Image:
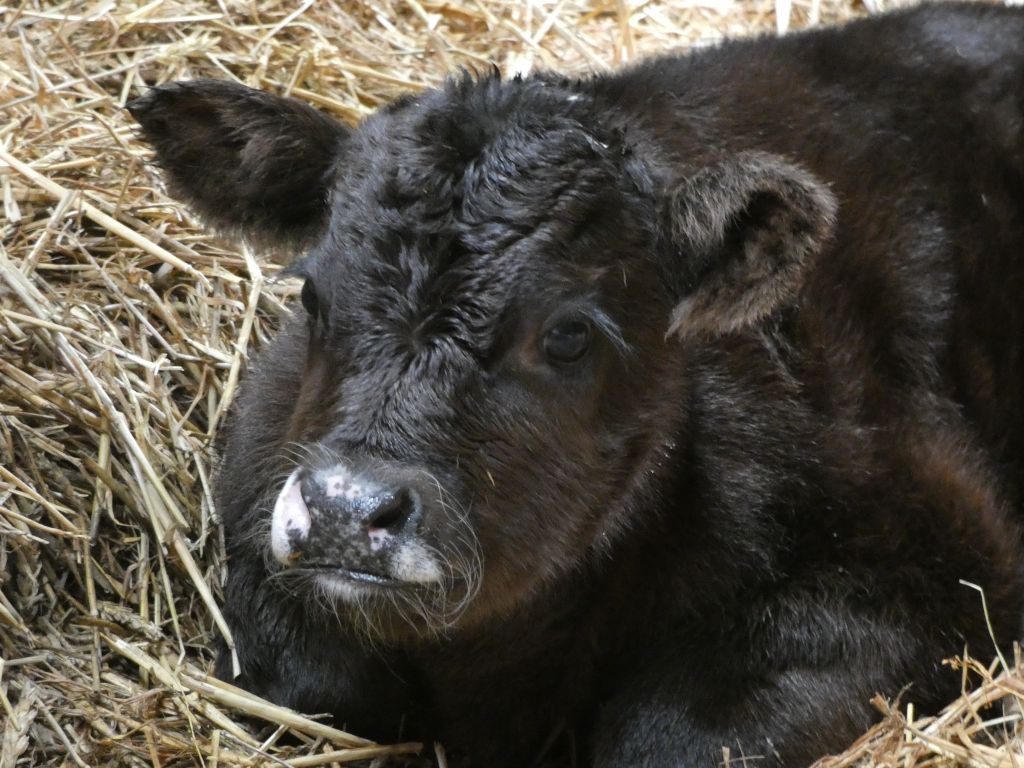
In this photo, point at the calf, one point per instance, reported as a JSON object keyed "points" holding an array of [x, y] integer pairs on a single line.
{"points": [[630, 418]]}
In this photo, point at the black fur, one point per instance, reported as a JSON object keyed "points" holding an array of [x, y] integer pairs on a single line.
{"points": [[797, 423]]}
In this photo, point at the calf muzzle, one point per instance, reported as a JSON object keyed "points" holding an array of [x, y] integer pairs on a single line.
{"points": [[359, 526]]}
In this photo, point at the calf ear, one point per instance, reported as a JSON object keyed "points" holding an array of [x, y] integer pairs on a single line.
{"points": [[742, 233], [255, 165]]}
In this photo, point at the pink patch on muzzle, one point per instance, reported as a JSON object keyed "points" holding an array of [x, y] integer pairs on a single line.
{"points": [[290, 520]]}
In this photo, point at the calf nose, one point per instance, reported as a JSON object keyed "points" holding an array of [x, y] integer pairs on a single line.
{"points": [[320, 513], [365, 504]]}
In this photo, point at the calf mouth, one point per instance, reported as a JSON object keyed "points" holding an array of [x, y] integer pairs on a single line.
{"points": [[355, 576]]}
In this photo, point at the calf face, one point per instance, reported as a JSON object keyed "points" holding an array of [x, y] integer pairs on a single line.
{"points": [[487, 391]]}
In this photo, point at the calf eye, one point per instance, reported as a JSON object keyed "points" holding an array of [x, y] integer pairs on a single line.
{"points": [[567, 342], [309, 299]]}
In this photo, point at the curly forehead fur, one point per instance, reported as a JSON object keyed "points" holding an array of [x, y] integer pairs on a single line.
{"points": [[438, 195], [486, 155]]}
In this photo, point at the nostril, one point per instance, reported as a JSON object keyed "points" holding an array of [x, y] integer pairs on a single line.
{"points": [[392, 513]]}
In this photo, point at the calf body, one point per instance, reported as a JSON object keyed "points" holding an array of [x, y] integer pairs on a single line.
{"points": [[634, 417]]}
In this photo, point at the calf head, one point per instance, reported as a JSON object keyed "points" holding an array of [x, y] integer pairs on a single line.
{"points": [[497, 280]]}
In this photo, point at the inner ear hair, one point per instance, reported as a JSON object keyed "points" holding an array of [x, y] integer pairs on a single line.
{"points": [[742, 233]]}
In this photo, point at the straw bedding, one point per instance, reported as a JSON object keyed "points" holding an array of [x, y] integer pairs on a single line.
{"points": [[125, 328]]}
